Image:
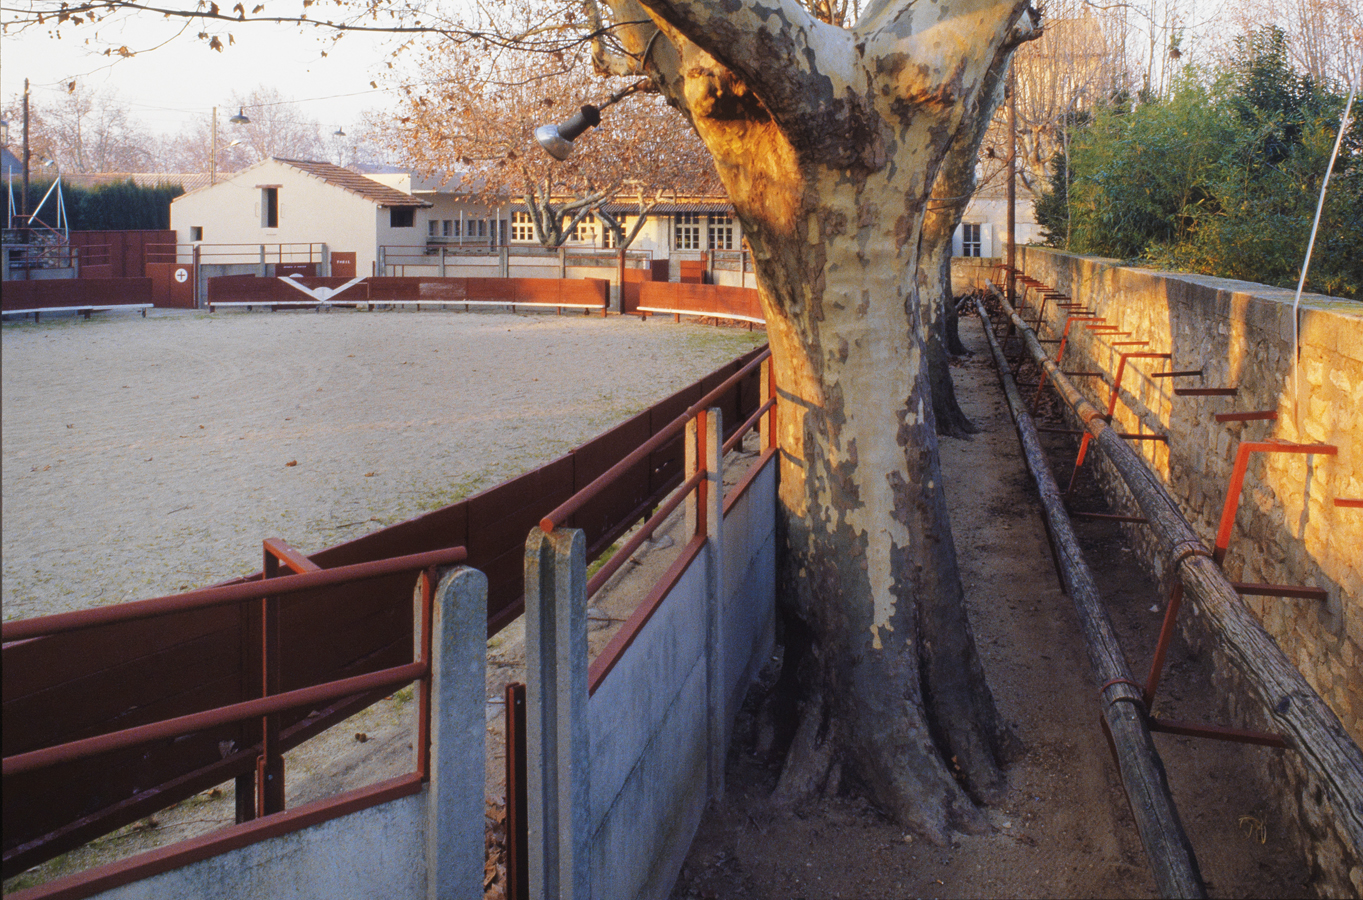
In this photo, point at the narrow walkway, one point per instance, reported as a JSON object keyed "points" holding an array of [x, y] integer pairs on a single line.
{"points": [[1063, 830]]}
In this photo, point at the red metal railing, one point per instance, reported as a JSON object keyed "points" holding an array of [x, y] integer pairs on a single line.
{"points": [[698, 483], [113, 677], [260, 790]]}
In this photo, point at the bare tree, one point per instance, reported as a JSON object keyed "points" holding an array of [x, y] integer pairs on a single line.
{"points": [[476, 111], [1325, 37], [89, 131]]}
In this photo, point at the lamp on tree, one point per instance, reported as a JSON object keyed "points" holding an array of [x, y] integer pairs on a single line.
{"points": [[557, 140], [240, 117]]}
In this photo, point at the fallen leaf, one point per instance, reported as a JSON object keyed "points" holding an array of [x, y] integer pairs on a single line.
{"points": [[290, 463], [361, 736]]}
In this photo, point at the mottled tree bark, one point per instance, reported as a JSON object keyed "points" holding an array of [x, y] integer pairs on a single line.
{"points": [[828, 141], [951, 195]]}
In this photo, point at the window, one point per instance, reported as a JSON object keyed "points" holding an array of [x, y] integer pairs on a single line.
{"points": [[585, 230], [970, 239], [450, 228], [687, 234], [402, 217], [608, 234], [196, 232], [721, 233], [269, 207], [521, 227], [433, 228]]}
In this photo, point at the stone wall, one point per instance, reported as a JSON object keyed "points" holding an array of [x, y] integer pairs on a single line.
{"points": [[1289, 529]]}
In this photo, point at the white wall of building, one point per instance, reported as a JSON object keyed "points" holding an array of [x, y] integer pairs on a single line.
{"points": [[991, 214], [310, 211]]}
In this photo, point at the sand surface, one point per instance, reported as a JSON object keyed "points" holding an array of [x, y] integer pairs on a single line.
{"points": [[147, 456]]}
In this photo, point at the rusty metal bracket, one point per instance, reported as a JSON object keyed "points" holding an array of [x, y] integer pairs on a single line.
{"points": [[1237, 482], [1263, 415]]}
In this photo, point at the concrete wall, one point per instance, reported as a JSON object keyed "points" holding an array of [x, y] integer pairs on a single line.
{"points": [[376, 852], [648, 737], [1288, 529]]}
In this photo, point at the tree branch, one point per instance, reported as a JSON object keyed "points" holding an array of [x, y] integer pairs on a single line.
{"points": [[771, 47]]}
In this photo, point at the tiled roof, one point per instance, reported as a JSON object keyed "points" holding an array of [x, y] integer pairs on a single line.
{"points": [[713, 207], [368, 188]]}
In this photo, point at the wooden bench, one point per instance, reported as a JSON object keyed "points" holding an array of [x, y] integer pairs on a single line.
{"points": [[445, 304], [274, 305], [82, 309]]}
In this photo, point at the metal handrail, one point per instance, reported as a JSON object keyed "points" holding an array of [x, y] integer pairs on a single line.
{"points": [[62, 623], [603, 481], [222, 715]]}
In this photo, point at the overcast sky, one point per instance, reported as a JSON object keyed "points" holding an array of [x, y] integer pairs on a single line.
{"points": [[167, 88]]}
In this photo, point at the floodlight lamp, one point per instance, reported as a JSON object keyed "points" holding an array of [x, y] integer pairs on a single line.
{"points": [[557, 140]]}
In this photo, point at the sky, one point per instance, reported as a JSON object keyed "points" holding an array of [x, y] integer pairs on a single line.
{"points": [[169, 87]]}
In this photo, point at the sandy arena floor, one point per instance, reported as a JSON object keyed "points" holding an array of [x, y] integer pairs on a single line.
{"points": [[147, 456]]}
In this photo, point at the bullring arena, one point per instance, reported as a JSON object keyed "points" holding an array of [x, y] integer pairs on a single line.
{"points": [[148, 456]]}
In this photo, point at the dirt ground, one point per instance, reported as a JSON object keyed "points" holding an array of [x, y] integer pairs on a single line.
{"points": [[1064, 829]]}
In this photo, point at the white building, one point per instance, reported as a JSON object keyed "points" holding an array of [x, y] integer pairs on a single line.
{"points": [[396, 222], [984, 224], [298, 202]]}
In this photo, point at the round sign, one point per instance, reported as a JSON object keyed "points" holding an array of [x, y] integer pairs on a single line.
{"points": [[182, 275]]}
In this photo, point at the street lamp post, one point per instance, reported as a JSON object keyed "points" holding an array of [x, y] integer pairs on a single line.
{"points": [[238, 119]]}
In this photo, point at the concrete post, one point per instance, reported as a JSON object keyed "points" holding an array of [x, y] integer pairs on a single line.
{"points": [[381, 263], [705, 515], [504, 260], [325, 269], [442, 262], [200, 280], [717, 713], [556, 714], [264, 266], [455, 803]]}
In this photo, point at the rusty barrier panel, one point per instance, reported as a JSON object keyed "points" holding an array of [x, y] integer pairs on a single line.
{"points": [[122, 254], [74, 293], [119, 676], [592, 292], [630, 291], [702, 300], [692, 272], [265, 291]]}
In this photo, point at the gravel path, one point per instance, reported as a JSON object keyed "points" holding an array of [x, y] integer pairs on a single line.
{"points": [[147, 456]]}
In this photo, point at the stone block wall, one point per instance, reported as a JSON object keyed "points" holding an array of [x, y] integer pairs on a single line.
{"points": [[1288, 529]]}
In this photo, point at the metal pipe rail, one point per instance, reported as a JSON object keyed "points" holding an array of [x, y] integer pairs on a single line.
{"points": [[1290, 703], [62, 623], [223, 715], [582, 497], [1172, 860]]}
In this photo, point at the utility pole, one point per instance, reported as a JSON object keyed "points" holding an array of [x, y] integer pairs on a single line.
{"points": [[28, 155], [23, 203], [1012, 181], [213, 152]]}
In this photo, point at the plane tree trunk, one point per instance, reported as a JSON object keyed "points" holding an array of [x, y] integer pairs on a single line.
{"points": [[828, 141], [956, 182]]}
